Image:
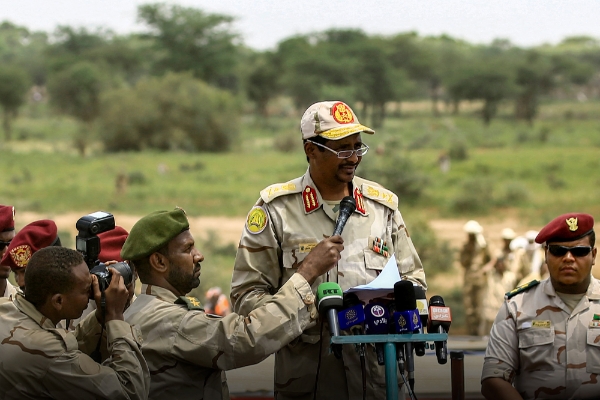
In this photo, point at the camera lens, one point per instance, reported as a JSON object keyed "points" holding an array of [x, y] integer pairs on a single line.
{"points": [[125, 271]]}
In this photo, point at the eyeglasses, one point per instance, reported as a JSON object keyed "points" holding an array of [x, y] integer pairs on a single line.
{"points": [[345, 153], [3, 245], [577, 251]]}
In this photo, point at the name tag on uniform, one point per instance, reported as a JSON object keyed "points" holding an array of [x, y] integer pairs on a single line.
{"points": [[540, 324], [306, 247]]}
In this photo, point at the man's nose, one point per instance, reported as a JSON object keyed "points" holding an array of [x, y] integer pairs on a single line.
{"points": [[198, 257]]}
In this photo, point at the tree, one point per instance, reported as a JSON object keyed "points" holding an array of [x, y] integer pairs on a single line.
{"points": [[263, 81], [13, 88], [25, 49], [534, 77], [191, 40], [76, 91], [174, 112]]}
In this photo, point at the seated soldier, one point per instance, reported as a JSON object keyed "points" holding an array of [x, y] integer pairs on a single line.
{"points": [[41, 361], [186, 349]]}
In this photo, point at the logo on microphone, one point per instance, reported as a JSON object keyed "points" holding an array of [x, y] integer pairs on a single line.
{"points": [[401, 321], [377, 311], [351, 314]]}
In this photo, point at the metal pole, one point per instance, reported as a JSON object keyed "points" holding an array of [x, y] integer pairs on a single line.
{"points": [[391, 377], [457, 371]]}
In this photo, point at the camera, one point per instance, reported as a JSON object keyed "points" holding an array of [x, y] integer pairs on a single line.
{"points": [[87, 243]]}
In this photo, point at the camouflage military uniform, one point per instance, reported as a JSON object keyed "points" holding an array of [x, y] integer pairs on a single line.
{"points": [[473, 258], [38, 360], [187, 350], [10, 291], [544, 349], [296, 218]]}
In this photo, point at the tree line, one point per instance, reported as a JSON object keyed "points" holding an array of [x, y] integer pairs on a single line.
{"points": [[185, 80]]}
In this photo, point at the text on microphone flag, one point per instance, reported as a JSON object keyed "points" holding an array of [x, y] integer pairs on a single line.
{"points": [[441, 313]]}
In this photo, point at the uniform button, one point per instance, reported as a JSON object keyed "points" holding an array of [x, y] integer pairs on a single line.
{"points": [[309, 299]]}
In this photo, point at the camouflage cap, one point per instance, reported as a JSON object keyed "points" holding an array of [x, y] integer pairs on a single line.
{"points": [[334, 120], [566, 228], [152, 232]]}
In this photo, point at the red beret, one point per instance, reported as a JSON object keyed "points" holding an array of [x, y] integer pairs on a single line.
{"points": [[566, 228], [111, 243], [31, 238], [7, 218]]}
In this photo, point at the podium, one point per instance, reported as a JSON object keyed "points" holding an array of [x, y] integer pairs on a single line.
{"points": [[391, 376]]}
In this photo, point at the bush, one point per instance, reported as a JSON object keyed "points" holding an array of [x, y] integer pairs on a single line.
{"points": [[458, 150], [475, 197], [174, 112], [515, 193], [436, 256]]}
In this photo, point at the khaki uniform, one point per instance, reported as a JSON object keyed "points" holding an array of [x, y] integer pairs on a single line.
{"points": [[473, 258], [39, 361], [297, 218], [496, 286], [187, 350], [544, 349], [10, 291]]}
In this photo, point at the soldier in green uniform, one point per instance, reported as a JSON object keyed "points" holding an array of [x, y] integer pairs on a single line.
{"points": [[188, 350], [473, 256], [290, 219]]}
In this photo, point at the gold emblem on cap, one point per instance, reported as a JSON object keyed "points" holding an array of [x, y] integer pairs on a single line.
{"points": [[342, 114], [572, 222], [21, 255]]}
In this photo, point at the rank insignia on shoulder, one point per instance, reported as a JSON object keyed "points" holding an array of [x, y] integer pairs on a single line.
{"points": [[192, 303], [256, 221], [522, 288]]}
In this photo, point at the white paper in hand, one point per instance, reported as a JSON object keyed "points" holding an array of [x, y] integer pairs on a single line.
{"points": [[381, 286]]}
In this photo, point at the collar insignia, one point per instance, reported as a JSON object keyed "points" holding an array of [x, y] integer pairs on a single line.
{"points": [[309, 197], [360, 202]]}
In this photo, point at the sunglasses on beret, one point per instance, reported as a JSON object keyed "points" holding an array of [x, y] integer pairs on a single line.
{"points": [[4, 245], [577, 251]]}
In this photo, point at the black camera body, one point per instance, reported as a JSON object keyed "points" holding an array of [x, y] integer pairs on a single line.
{"points": [[88, 244]]}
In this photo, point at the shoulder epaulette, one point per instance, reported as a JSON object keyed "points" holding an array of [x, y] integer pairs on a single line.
{"points": [[522, 288], [380, 194], [192, 303], [280, 189]]}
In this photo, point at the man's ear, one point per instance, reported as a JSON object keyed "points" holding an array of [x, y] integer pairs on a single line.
{"points": [[57, 301], [309, 149], [158, 262]]}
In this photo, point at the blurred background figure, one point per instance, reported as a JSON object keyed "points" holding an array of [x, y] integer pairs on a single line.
{"points": [[216, 302], [473, 256], [528, 256], [498, 280]]}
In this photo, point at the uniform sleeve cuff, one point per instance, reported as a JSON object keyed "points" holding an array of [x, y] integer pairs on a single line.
{"points": [[306, 294], [494, 370]]}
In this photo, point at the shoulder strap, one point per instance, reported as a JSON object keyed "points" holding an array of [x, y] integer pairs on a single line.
{"points": [[523, 288], [281, 189], [191, 303]]}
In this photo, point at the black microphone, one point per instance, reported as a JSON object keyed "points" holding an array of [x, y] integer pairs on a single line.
{"points": [[424, 315], [440, 319], [347, 207], [407, 320], [376, 323], [329, 297]]}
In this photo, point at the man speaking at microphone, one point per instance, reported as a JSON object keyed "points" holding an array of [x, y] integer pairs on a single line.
{"points": [[290, 218]]}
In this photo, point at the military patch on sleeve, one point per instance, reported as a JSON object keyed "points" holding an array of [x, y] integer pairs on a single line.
{"points": [[256, 222], [192, 303], [522, 288]]}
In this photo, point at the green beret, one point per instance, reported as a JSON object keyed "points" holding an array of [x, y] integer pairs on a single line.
{"points": [[152, 232]]}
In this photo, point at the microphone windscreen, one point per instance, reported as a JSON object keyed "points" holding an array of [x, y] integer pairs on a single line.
{"points": [[404, 296], [436, 301], [376, 320]]}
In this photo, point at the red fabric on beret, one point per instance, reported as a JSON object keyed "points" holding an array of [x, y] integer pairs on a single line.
{"points": [[31, 238], [7, 218], [111, 243], [566, 228]]}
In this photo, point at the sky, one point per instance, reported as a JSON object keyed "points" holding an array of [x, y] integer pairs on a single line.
{"points": [[264, 23]]}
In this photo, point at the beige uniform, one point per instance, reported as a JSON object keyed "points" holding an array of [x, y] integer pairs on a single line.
{"points": [[544, 349], [496, 286], [297, 218], [40, 361], [473, 258], [10, 291], [188, 350]]}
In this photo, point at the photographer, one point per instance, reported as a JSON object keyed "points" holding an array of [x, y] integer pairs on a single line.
{"points": [[41, 361]]}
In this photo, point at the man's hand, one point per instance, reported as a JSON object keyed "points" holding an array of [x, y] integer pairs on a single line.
{"points": [[115, 296], [322, 258]]}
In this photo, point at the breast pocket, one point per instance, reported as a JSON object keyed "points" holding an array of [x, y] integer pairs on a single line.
{"points": [[292, 259], [374, 263], [536, 347], [592, 356]]}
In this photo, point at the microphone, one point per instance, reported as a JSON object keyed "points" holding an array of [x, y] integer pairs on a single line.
{"points": [[424, 315], [376, 323], [440, 319], [352, 315], [407, 320], [347, 207], [329, 300]]}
